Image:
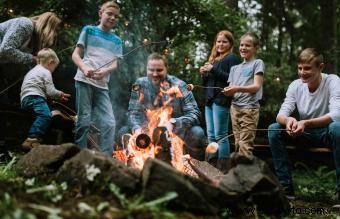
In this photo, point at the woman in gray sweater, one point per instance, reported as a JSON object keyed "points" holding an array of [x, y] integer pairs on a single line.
{"points": [[20, 40]]}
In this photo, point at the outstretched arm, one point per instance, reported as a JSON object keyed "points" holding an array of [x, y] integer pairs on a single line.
{"points": [[253, 88]]}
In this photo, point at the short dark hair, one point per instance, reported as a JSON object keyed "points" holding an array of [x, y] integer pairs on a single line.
{"points": [[309, 55], [157, 56]]}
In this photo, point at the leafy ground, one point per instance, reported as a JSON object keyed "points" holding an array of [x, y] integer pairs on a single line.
{"points": [[22, 198], [33, 198]]}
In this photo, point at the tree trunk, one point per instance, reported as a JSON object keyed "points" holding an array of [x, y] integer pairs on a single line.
{"points": [[232, 4], [328, 33]]}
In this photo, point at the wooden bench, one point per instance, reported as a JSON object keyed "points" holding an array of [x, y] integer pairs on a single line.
{"points": [[312, 149]]}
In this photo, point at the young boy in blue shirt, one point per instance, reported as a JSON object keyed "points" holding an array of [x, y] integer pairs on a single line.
{"points": [[96, 56]]}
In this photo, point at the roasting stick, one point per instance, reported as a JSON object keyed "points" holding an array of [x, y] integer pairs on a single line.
{"points": [[63, 50], [254, 130], [73, 118], [22, 77], [129, 52], [190, 87]]}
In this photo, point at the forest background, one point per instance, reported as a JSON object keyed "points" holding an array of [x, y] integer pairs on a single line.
{"points": [[184, 31]]}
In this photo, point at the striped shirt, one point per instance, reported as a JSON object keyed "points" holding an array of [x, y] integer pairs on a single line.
{"points": [[100, 48], [185, 109]]}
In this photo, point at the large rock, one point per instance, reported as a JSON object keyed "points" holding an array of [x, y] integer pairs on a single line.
{"points": [[45, 159], [194, 194], [252, 179], [95, 171]]}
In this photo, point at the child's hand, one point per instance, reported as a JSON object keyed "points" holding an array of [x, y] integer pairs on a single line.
{"points": [[100, 73], [64, 96], [230, 90], [88, 72]]}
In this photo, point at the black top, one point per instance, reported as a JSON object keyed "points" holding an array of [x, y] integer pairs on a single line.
{"points": [[218, 77]]}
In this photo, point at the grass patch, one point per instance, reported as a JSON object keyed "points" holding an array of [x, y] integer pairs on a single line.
{"points": [[314, 183]]}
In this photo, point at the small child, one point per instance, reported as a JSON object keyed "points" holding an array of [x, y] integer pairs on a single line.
{"points": [[96, 56], [246, 88], [36, 88]]}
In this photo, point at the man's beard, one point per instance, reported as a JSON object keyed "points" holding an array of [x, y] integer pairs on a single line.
{"points": [[156, 83]]}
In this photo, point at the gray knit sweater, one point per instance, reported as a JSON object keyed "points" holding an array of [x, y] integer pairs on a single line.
{"points": [[15, 35]]}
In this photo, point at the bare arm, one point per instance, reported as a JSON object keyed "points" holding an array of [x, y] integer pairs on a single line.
{"points": [[296, 128], [253, 88], [77, 59]]}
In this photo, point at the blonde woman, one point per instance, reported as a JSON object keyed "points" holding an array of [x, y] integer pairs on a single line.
{"points": [[22, 37], [215, 73], [20, 40]]}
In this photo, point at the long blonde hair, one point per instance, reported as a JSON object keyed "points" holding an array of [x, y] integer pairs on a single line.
{"points": [[45, 29], [214, 56]]}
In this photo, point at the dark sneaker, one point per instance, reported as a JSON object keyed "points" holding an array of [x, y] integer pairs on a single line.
{"points": [[288, 190], [30, 143]]}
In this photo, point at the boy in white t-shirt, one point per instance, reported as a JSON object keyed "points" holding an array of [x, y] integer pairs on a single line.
{"points": [[316, 96]]}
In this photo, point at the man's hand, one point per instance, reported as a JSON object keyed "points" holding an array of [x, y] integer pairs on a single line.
{"points": [[294, 127], [170, 125]]}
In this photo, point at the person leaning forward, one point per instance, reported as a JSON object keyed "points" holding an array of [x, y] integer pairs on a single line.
{"points": [[185, 116], [316, 96]]}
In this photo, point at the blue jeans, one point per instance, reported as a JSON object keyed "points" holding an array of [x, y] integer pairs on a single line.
{"points": [[325, 136], [217, 121], [194, 140], [42, 112], [94, 107]]}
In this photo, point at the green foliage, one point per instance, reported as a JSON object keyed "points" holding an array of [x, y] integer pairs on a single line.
{"points": [[138, 206], [51, 192], [314, 184], [275, 84], [6, 169], [10, 210]]}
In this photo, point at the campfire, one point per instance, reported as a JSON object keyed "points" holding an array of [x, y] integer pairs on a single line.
{"points": [[158, 140]]}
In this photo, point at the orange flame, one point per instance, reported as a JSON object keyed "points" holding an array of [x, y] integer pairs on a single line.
{"points": [[135, 156]]}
